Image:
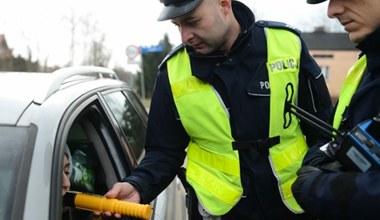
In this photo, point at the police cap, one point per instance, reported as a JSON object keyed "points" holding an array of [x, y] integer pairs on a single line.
{"points": [[176, 8], [314, 1]]}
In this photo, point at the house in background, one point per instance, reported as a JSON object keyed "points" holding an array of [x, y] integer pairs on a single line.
{"points": [[335, 54], [6, 61]]}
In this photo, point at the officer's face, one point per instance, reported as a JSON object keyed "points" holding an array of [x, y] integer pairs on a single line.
{"points": [[359, 17], [206, 28]]}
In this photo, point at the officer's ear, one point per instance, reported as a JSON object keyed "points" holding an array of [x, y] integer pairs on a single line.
{"points": [[226, 6]]}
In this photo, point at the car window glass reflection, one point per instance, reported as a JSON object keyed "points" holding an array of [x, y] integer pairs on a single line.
{"points": [[128, 120], [11, 153]]}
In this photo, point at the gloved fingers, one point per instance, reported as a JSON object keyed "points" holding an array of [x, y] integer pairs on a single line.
{"points": [[304, 175], [305, 170], [334, 166], [315, 157], [330, 149]]}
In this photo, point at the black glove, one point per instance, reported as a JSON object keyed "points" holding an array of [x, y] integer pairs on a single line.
{"points": [[331, 164], [305, 173], [323, 157], [330, 149]]}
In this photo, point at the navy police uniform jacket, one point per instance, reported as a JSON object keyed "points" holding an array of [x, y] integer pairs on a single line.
{"points": [[350, 195], [241, 79]]}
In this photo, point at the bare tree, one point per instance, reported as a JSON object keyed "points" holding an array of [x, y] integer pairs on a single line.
{"points": [[87, 41], [98, 55], [95, 51], [72, 22], [32, 54]]}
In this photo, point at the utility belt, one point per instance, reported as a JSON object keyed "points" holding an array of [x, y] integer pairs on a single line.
{"points": [[257, 146]]}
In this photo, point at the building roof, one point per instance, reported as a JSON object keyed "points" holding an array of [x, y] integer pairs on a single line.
{"points": [[328, 41], [5, 52]]}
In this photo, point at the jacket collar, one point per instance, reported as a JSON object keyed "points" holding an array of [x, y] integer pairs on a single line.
{"points": [[370, 46]]}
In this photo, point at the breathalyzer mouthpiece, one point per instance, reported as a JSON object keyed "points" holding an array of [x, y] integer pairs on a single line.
{"points": [[93, 202]]}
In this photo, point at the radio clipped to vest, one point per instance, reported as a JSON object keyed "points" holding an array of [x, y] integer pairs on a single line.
{"points": [[359, 149]]}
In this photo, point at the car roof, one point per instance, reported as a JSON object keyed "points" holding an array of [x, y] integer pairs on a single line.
{"points": [[18, 90]]}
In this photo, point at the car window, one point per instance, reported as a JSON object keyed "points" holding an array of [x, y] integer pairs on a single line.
{"points": [[97, 150], [98, 159], [129, 117], [12, 150]]}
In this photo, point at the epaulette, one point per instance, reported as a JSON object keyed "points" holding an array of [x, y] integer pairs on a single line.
{"points": [[171, 53], [276, 24]]}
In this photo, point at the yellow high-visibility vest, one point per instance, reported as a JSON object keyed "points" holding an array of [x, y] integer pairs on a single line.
{"points": [[213, 167], [349, 86]]}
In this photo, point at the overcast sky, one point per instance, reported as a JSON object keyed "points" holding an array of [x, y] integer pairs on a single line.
{"points": [[43, 24]]}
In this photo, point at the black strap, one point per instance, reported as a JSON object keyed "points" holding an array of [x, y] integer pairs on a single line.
{"points": [[254, 147], [191, 198], [261, 144]]}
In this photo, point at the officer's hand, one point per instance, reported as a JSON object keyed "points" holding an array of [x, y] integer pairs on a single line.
{"points": [[319, 156], [122, 191], [330, 149], [304, 174]]}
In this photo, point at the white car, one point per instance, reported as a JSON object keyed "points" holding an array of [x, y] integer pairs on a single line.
{"points": [[93, 112]]}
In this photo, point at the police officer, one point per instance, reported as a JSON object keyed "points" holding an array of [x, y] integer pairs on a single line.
{"points": [[344, 193], [220, 99]]}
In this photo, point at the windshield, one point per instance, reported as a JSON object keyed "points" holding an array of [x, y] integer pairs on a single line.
{"points": [[12, 146]]}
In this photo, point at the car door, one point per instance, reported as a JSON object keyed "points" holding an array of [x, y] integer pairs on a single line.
{"points": [[106, 141], [104, 132]]}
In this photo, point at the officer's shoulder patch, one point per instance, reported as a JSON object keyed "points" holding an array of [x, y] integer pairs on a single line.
{"points": [[277, 24], [171, 53]]}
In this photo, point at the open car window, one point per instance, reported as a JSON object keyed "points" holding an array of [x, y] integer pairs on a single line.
{"points": [[104, 142]]}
